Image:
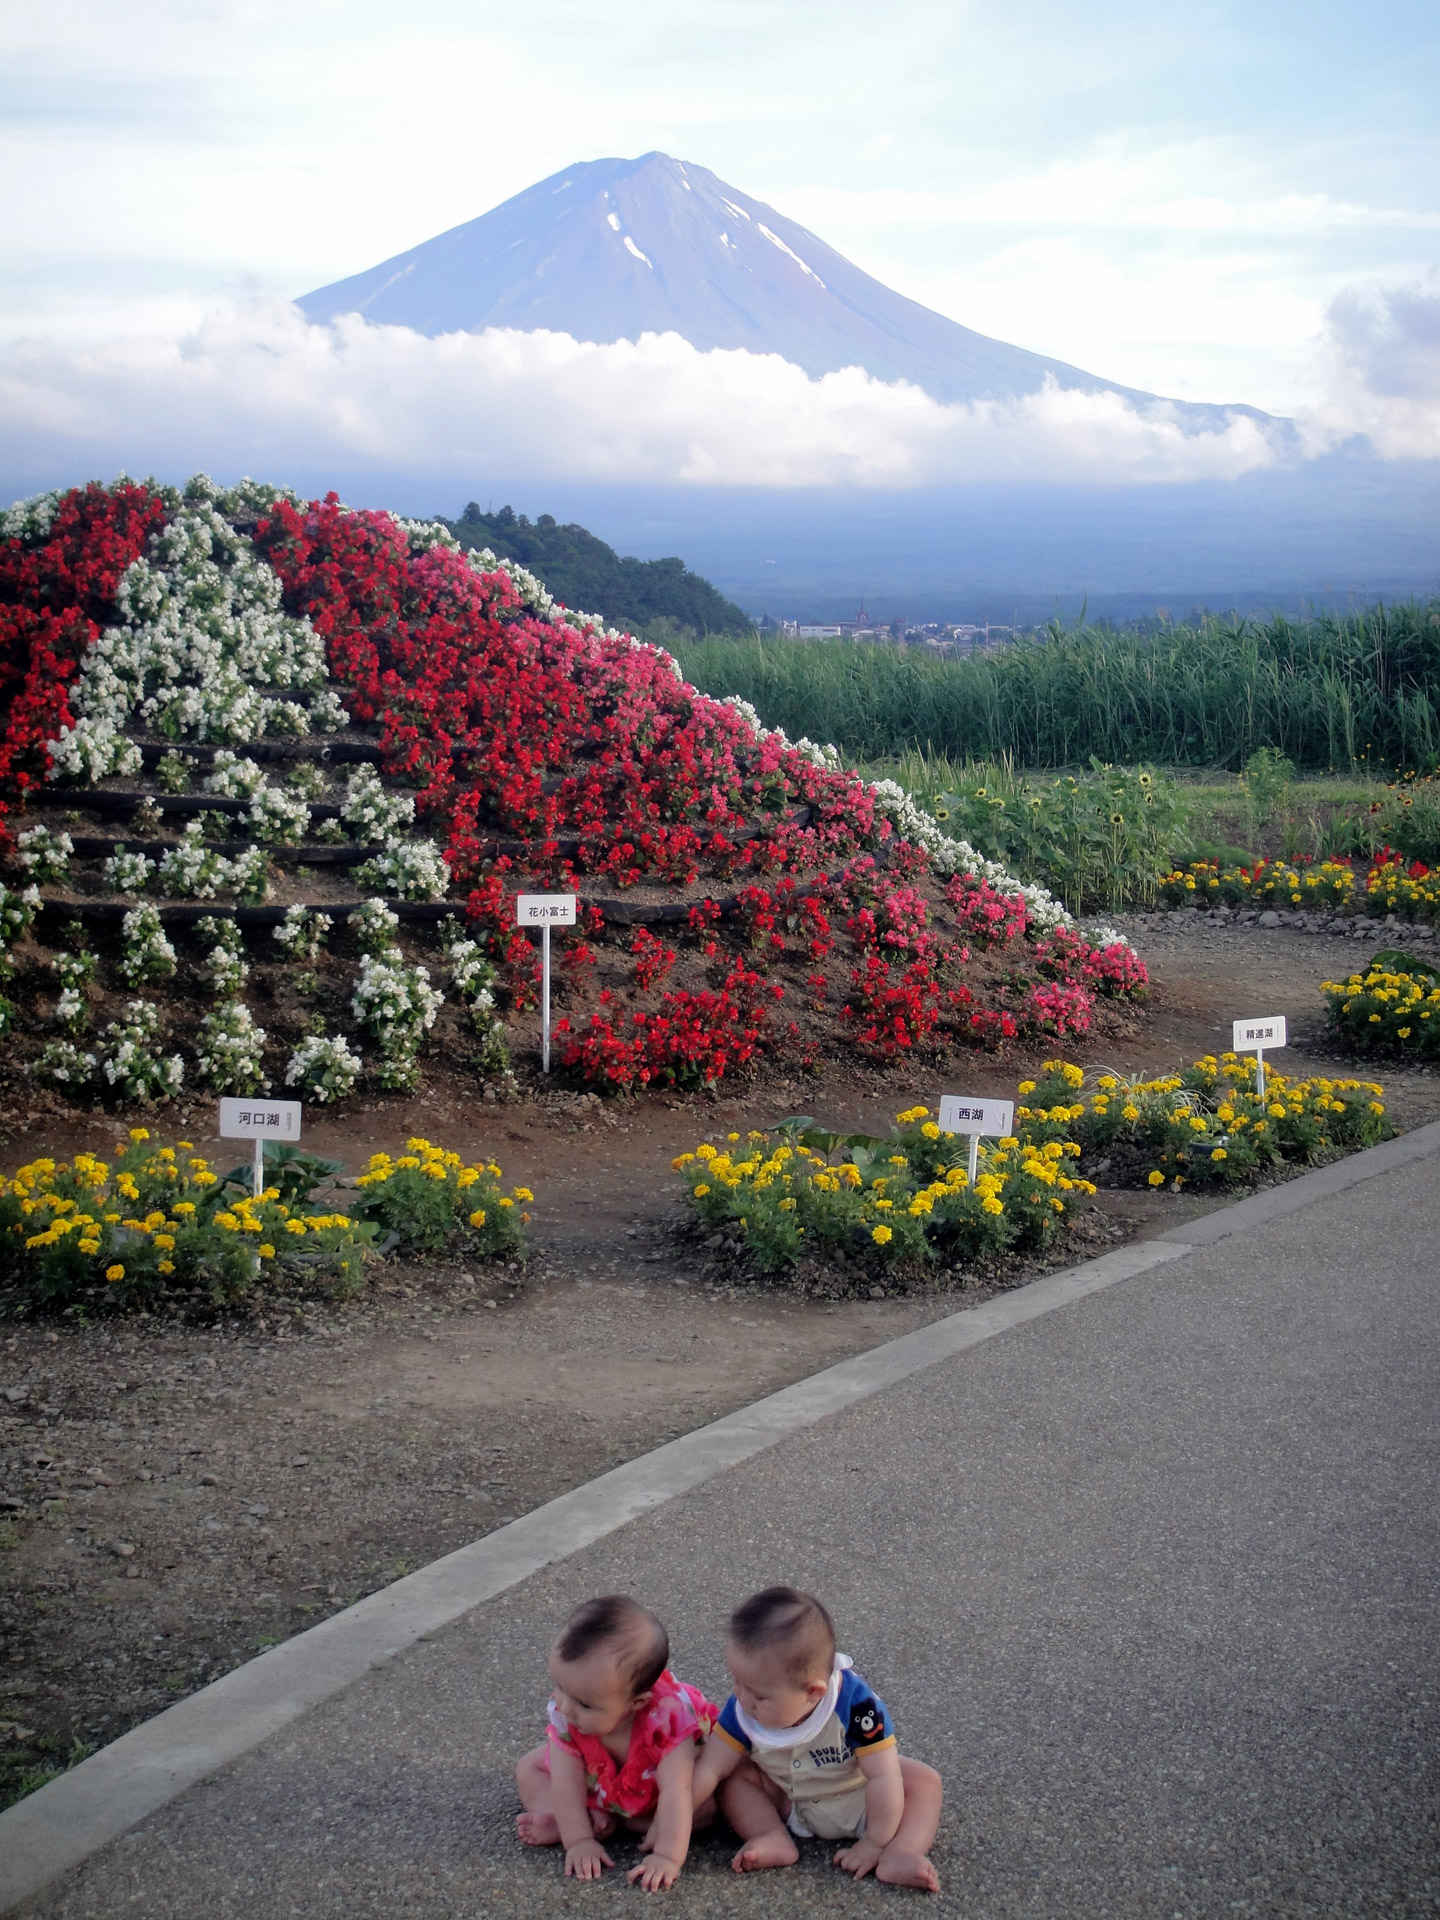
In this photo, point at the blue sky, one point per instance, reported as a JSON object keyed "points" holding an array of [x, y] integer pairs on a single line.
{"points": [[1217, 201]]}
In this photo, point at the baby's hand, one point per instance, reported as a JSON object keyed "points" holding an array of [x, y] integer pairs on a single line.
{"points": [[586, 1860], [655, 1874], [859, 1858]]}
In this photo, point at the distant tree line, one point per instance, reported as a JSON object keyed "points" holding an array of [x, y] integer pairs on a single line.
{"points": [[658, 600]]}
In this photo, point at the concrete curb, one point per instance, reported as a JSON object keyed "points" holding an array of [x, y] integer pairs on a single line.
{"points": [[1261, 1208], [77, 1813]]}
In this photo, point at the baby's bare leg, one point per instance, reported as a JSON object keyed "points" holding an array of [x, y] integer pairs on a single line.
{"points": [[752, 1804], [537, 1825], [906, 1859]]}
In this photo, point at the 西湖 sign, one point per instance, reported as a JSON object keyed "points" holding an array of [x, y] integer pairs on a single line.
{"points": [[959, 1113]]}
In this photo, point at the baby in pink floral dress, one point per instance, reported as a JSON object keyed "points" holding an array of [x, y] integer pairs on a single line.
{"points": [[623, 1738]]}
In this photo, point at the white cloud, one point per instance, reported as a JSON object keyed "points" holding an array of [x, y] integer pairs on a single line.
{"points": [[257, 387], [1383, 349]]}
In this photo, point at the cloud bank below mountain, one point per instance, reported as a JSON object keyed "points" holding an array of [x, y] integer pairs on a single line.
{"points": [[255, 386]]}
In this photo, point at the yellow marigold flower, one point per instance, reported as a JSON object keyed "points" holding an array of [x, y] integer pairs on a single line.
{"points": [[1275, 1110], [167, 1266], [117, 1272], [524, 1193], [1375, 1107], [882, 1205], [506, 1202], [705, 1151], [701, 1191], [1157, 1179], [681, 1160], [267, 1252], [139, 1133], [295, 1226], [206, 1179], [1027, 1086], [1197, 1125], [1219, 1153], [467, 1177], [787, 1206], [1403, 1032], [992, 1205], [165, 1242], [882, 1236], [89, 1246]]}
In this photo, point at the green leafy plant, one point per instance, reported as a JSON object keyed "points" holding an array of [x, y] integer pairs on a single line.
{"points": [[428, 1196]]}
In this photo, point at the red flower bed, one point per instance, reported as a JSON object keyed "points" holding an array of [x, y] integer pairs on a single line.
{"points": [[55, 596], [534, 728], [694, 1040], [984, 914], [1067, 957]]}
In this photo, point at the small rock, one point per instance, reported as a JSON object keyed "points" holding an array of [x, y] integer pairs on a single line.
{"points": [[492, 1303], [16, 1394], [1270, 918], [122, 1549], [209, 1480], [11, 1503], [877, 1293], [301, 1460], [259, 1510]]}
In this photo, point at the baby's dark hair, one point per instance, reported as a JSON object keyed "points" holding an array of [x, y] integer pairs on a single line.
{"points": [[795, 1625], [641, 1644]]}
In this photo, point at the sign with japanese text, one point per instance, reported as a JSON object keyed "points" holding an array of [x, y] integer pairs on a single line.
{"points": [[260, 1119], [959, 1113], [545, 910], [1255, 1036]]}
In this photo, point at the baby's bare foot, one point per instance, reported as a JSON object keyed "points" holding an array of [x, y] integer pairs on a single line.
{"points": [[772, 1849], [898, 1867], [602, 1824], [538, 1829]]}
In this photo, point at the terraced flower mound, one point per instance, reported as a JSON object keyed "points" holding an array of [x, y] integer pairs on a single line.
{"points": [[249, 735]]}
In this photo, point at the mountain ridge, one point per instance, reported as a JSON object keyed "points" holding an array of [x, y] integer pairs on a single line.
{"points": [[609, 249]]}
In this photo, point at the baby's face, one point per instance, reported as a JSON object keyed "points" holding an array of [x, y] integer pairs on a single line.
{"points": [[594, 1694], [768, 1692]]}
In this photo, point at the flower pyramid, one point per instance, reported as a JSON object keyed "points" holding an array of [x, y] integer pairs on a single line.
{"points": [[248, 722]]}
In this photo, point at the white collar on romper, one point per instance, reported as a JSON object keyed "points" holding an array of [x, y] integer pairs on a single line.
{"points": [[808, 1729]]}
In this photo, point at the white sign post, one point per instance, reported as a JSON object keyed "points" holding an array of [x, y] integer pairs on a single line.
{"points": [[1256, 1036], [994, 1119], [259, 1120], [545, 910]]}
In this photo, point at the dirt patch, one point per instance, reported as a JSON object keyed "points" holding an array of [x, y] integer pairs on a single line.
{"points": [[185, 1494]]}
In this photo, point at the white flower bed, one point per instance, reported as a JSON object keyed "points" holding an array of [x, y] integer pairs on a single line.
{"points": [[234, 776], [129, 1060], [201, 628], [230, 1050], [302, 933], [374, 926], [63, 1064], [44, 855], [370, 812], [128, 872], [397, 1004], [147, 954], [225, 962], [72, 1009], [324, 1068], [410, 869], [278, 818]]}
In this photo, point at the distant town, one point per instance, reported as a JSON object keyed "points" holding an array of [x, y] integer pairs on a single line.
{"points": [[941, 636]]}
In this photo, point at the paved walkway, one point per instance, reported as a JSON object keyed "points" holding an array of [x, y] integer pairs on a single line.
{"points": [[1152, 1579]]}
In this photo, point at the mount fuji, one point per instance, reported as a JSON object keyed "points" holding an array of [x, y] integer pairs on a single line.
{"points": [[609, 249]]}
